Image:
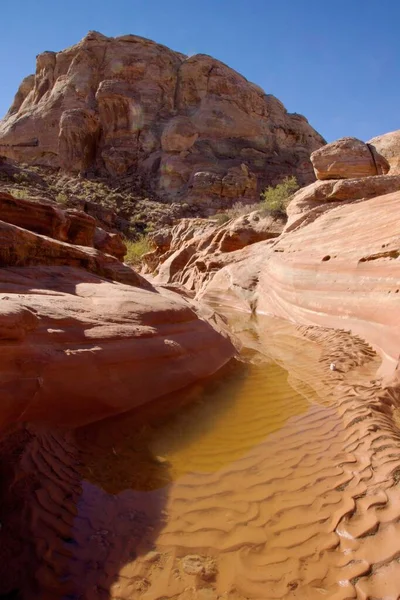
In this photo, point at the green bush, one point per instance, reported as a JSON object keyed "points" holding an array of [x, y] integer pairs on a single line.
{"points": [[20, 194], [275, 199], [62, 198], [136, 249]]}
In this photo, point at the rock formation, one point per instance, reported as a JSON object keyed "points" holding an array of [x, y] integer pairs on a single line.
{"points": [[75, 344], [348, 157], [191, 252], [336, 264], [192, 127]]}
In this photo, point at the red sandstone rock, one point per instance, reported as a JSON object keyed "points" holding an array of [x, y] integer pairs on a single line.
{"points": [[44, 218], [191, 252], [75, 345], [348, 157], [117, 104], [110, 243], [72, 226], [75, 348], [20, 247]]}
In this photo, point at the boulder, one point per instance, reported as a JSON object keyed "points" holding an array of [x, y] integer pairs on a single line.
{"points": [[388, 146], [346, 158]]}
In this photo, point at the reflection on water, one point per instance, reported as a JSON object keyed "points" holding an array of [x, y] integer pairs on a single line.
{"points": [[222, 422]]}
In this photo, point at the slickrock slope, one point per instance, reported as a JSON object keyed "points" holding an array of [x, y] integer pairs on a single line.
{"points": [[191, 127], [82, 335], [342, 270]]}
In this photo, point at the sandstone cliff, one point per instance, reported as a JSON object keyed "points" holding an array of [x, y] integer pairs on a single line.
{"points": [[190, 126]]}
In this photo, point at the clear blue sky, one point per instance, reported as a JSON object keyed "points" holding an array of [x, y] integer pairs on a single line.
{"points": [[335, 62]]}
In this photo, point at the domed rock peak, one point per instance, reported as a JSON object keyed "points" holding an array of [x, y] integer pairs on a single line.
{"points": [[118, 105]]}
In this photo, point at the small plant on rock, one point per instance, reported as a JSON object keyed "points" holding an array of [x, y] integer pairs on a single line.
{"points": [[136, 249], [275, 199], [220, 218], [62, 198]]}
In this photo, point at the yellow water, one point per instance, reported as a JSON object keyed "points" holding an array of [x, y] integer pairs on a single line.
{"points": [[223, 420]]}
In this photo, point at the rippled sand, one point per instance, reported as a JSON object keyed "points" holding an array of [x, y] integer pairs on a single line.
{"points": [[279, 480]]}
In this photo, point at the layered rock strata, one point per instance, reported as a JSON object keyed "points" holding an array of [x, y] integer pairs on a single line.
{"points": [[82, 334]]}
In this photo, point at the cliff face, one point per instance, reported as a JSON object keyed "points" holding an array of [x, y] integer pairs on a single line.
{"points": [[192, 127]]}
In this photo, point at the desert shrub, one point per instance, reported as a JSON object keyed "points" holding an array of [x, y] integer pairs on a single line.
{"points": [[239, 209], [220, 218], [21, 177], [62, 198], [136, 249], [275, 199], [20, 194]]}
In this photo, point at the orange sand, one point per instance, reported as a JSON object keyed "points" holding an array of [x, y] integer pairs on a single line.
{"points": [[263, 485]]}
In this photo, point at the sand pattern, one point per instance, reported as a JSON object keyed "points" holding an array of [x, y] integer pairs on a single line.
{"points": [[280, 481]]}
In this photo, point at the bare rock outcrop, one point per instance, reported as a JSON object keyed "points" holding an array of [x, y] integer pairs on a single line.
{"points": [[72, 226], [75, 347], [191, 127], [336, 263], [191, 252], [348, 157], [82, 334], [311, 201]]}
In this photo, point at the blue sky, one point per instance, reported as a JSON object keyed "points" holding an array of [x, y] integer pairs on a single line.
{"points": [[337, 63]]}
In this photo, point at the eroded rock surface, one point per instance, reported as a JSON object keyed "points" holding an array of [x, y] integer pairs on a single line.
{"points": [[82, 334], [342, 270], [311, 201], [191, 127], [191, 252]]}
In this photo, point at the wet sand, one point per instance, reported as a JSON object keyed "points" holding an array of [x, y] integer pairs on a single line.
{"points": [[277, 480]]}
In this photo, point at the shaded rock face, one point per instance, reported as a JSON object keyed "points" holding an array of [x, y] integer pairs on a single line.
{"points": [[192, 127], [82, 334], [348, 157], [191, 252]]}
